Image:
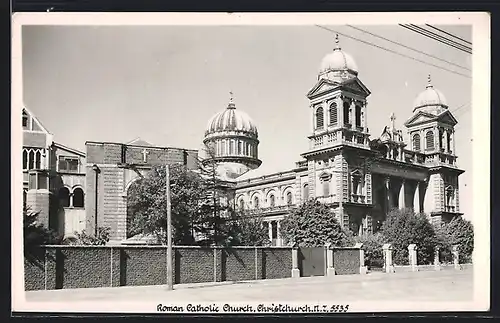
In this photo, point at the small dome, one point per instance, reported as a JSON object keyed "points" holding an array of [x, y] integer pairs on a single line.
{"points": [[430, 97], [338, 60], [231, 120]]}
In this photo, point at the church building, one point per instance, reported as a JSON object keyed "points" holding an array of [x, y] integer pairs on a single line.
{"points": [[359, 178]]}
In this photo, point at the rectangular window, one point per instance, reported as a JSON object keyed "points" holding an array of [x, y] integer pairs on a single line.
{"points": [[68, 164], [42, 181], [25, 121]]}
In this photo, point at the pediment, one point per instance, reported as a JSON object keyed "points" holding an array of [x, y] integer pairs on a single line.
{"points": [[34, 124], [323, 86], [356, 86], [447, 118], [420, 117]]}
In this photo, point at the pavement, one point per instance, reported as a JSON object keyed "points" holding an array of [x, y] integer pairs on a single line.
{"points": [[428, 286]]}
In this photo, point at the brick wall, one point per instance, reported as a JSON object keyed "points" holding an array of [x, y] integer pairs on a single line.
{"points": [[60, 267], [346, 261]]}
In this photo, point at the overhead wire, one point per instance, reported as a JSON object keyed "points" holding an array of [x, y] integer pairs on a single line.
{"points": [[408, 47], [393, 51], [449, 34], [437, 37]]}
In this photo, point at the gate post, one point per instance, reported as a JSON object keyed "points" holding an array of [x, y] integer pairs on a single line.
{"points": [[412, 254], [456, 262], [437, 263], [362, 268], [330, 270], [295, 261], [388, 266]]}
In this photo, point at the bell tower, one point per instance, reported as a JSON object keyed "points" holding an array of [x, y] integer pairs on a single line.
{"points": [[339, 173]]}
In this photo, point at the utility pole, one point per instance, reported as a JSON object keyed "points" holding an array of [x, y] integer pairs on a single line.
{"points": [[170, 283]]}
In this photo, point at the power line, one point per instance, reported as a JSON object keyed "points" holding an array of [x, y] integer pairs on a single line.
{"points": [[408, 47], [392, 51], [442, 39], [437, 37], [449, 34]]}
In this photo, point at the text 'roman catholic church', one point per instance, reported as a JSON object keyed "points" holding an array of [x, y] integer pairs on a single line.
{"points": [[359, 178]]}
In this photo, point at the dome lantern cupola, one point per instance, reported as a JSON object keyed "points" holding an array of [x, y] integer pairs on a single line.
{"points": [[231, 139], [431, 100], [338, 65]]}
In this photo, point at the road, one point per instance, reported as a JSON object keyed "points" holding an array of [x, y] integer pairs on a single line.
{"points": [[428, 286]]}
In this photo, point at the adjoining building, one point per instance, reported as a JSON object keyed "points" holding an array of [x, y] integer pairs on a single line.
{"points": [[359, 178]]}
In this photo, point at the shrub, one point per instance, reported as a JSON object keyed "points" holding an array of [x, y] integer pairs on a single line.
{"points": [[84, 238], [404, 227], [313, 225], [372, 245]]}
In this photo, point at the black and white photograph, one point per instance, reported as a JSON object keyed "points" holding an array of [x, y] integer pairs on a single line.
{"points": [[250, 163]]}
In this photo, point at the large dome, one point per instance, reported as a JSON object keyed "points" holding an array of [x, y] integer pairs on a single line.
{"points": [[430, 97], [231, 120]]}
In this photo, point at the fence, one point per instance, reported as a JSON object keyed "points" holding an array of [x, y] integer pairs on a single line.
{"points": [[58, 267]]}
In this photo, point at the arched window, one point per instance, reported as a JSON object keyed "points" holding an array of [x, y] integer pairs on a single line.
{"points": [[289, 198], [272, 201], [31, 160], [306, 192], [429, 140], [319, 118], [25, 159], [64, 196], [346, 113], [358, 116], [223, 147], [416, 142], [256, 202], [25, 120], [242, 204], [333, 113], [38, 159], [356, 183], [78, 200]]}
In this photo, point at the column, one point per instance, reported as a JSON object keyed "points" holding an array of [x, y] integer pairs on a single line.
{"points": [[340, 107], [416, 198], [278, 234], [412, 256], [388, 193], [270, 231], [295, 262], [388, 266], [402, 193], [353, 113]]}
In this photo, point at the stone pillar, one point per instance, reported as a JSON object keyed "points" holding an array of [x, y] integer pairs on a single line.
{"points": [[362, 268], [412, 256], [330, 270], [437, 263], [416, 199], [295, 262], [456, 262], [388, 266], [401, 201]]}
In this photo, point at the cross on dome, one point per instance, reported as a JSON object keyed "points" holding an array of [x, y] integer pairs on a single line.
{"points": [[393, 121], [231, 104], [337, 46], [429, 84]]}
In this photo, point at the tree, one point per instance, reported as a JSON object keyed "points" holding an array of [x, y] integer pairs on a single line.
{"points": [[246, 230], [148, 204], [404, 227], [312, 225], [458, 231]]}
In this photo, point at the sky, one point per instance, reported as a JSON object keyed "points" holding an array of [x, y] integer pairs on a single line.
{"points": [[163, 83]]}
